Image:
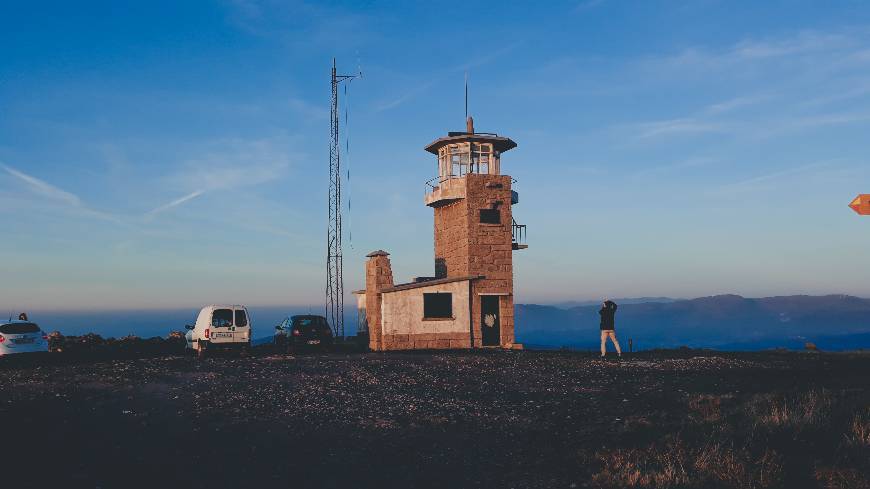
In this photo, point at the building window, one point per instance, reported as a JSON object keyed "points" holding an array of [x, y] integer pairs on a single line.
{"points": [[438, 306], [460, 159], [490, 216]]}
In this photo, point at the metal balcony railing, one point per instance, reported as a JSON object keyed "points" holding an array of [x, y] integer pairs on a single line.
{"points": [[433, 184], [518, 235]]}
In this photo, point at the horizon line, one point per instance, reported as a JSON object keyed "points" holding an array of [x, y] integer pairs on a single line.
{"points": [[304, 306]]}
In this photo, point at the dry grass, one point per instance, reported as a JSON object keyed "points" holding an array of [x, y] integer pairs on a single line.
{"points": [[859, 431], [706, 408], [674, 464], [746, 445], [809, 409], [661, 467], [842, 478]]}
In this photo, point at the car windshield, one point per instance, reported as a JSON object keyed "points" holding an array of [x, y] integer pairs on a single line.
{"points": [[308, 322], [19, 328]]}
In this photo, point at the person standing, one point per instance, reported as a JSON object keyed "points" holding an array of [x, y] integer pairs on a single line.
{"points": [[608, 326]]}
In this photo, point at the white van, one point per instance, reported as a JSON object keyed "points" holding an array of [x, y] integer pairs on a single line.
{"points": [[220, 327]]}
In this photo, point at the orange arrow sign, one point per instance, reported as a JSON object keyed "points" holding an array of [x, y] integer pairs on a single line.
{"points": [[861, 204]]}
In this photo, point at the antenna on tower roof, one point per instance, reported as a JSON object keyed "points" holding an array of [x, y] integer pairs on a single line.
{"points": [[466, 95]]}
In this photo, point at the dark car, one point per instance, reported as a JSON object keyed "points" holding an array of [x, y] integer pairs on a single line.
{"points": [[306, 331]]}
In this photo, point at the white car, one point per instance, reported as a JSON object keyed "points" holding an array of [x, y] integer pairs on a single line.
{"points": [[22, 337], [220, 327]]}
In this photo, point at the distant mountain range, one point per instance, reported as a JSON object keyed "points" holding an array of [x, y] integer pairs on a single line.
{"points": [[834, 322], [628, 300]]}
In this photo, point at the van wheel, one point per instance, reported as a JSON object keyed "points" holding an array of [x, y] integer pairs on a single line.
{"points": [[200, 352]]}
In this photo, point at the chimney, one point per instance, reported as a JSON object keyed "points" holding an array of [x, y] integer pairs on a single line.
{"points": [[379, 276], [469, 125]]}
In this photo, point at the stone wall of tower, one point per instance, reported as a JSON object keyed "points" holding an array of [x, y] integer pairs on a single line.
{"points": [[465, 246], [451, 239]]}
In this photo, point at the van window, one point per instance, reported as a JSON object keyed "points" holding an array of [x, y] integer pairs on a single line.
{"points": [[241, 318], [222, 318], [19, 328]]}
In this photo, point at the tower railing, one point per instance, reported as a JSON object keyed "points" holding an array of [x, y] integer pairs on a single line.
{"points": [[518, 233], [434, 183]]}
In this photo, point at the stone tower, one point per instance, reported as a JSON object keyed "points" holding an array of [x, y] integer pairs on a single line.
{"points": [[475, 233]]}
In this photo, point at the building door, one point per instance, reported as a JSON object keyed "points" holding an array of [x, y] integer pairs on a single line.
{"points": [[490, 323]]}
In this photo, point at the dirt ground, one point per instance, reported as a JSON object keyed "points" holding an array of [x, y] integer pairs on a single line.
{"points": [[426, 419]]}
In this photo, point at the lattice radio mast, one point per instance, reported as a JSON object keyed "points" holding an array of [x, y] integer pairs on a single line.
{"points": [[334, 264]]}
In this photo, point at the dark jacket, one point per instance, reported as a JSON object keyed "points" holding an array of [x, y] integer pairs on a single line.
{"points": [[608, 315]]}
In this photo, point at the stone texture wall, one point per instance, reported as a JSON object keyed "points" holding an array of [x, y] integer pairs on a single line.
{"points": [[379, 276], [469, 247], [426, 341], [451, 239]]}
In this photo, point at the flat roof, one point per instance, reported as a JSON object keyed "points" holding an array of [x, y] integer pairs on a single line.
{"points": [[427, 283], [499, 143]]}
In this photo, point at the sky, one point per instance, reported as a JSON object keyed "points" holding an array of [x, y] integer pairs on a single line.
{"points": [[169, 154]]}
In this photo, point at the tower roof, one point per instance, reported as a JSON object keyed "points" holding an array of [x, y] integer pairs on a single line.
{"points": [[499, 143]]}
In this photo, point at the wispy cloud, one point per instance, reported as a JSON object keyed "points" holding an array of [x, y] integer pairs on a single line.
{"points": [[57, 196], [676, 166], [863, 89], [488, 57], [301, 23], [796, 77], [678, 126], [832, 119], [228, 164], [787, 48], [422, 87], [404, 97], [759, 181], [735, 103], [43, 188], [587, 5], [175, 203], [307, 109]]}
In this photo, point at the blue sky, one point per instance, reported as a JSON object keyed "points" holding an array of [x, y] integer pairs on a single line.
{"points": [[170, 154]]}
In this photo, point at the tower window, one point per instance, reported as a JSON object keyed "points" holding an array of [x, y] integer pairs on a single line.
{"points": [[490, 216], [438, 306]]}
